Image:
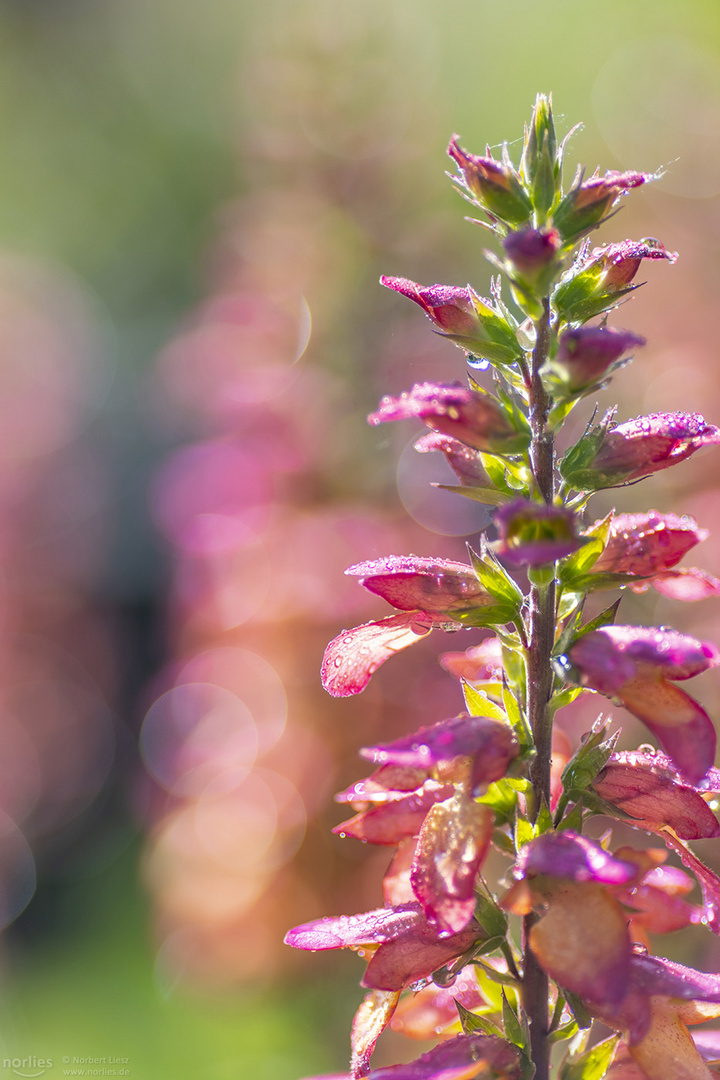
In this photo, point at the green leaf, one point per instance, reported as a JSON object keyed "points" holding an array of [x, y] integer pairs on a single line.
{"points": [[493, 919], [479, 704], [544, 819], [497, 582], [583, 1019], [524, 831], [472, 1022], [490, 946], [516, 716], [488, 496], [511, 1022], [591, 756], [593, 1064], [605, 618], [573, 819], [503, 800], [577, 565]]}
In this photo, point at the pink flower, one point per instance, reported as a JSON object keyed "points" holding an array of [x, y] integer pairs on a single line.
{"points": [[648, 788], [407, 947], [412, 583], [638, 666], [586, 354], [479, 663], [353, 657], [493, 185], [606, 456], [463, 460], [475, 419], [589, 201], [470, 321]]}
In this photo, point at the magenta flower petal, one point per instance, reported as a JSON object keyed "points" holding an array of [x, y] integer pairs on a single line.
{"points": [[452, 844], [392, 821], [688, 584], [474, 419], [383, 785], [585, 354], [352, 931], [708, 880], [463, 460], [415, 953], [621, 262], [655, 975], [410, 583], [455, 1059], [646, 544], [647, 788], [492, 184], [573, 857], [610, 656], [634, 664], [353, 657], [491, 743], [449, 307], [368, 1024]]}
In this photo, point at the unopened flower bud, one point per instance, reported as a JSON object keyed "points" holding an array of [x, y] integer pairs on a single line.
{"points": [[493, 185], [608, 456], [533, 534], [475, 419], [468, 320], [587, 353], [588, 202]]}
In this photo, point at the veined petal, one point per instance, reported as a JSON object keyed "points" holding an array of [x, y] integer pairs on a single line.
{"points": [[492, 743], [572, 857], [415, 953], [462, 1058], [353, 657], [368, 1024], [392, 821], [476, 664], [452, 844], [678, 722], [582, 941], [689, 584], [649, 790], [707, 878], [439, 586], [648, 543]]}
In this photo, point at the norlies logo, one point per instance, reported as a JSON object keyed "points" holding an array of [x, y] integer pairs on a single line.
{"points": [[28, 1066]]}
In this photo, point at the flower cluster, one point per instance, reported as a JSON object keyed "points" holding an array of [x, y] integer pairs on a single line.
{"points": [[513, 978]]}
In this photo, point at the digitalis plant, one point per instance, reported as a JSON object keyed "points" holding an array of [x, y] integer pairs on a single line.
{"points": [[523, 971]]}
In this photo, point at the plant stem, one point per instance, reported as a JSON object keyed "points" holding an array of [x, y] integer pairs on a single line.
{"points": [[539, 688]]}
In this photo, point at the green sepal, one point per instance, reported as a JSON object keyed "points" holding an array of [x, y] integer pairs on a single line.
{"points": [[518, 720], [573, 819], [502, 799], [501, 346], [539, 138], [523, 831], [593, 1064], [471, 1022], [583, 1019], [591, 756], [562, 1034], [577, 565], [516, 1029], [490, 946], [479, 704], [492, 918], [544, 820], [509, 477], [497, 582], [544, 185], [565, 697], [486, 495], [576, 467]]}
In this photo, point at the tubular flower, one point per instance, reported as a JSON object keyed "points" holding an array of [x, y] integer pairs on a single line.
{"points": [[587, 354], [470, 321], [588, 201], [609, 456], [638, 666], [407, 948], [463, 460], [581, 940], [492, 184], [479, 663], [532, 534], [464, 1057], [411, 583], [599, 279], [491, 744], [475, 419], [648, 546], [648, 788]]}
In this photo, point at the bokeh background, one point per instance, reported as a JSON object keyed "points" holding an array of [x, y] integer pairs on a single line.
{"points": [[196, 201]]}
